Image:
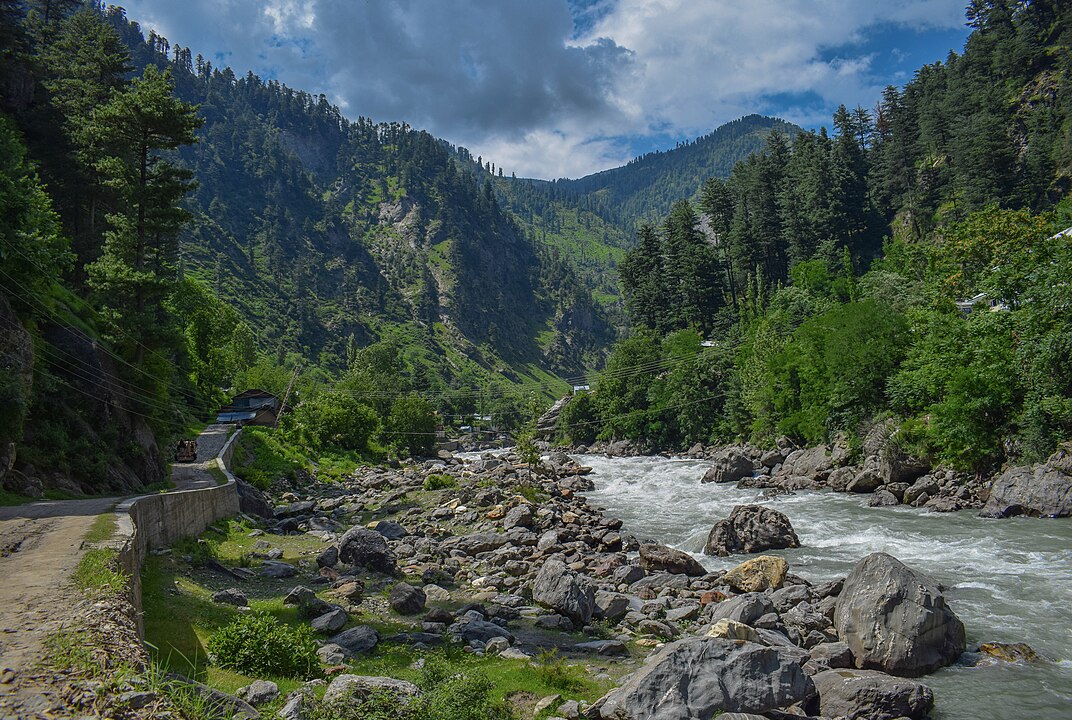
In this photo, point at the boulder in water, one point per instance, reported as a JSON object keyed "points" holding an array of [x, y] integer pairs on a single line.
{"points": [[700, 677], [750, 529], [895, 619], [1039, 491], [730, 465]]}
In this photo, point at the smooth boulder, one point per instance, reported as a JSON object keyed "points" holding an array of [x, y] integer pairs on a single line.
{"points": [[560, 589], [698, 677], [751, 529], [660, 558], [871, 695], [895, 619]]}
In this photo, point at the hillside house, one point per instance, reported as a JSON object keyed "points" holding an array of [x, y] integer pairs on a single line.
{"points": [[252, 407]]}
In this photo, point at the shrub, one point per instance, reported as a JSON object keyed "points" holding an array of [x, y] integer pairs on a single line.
{"points": [[554, 672], [412, 425], [439, 482], [334, 421], [260, 645]]}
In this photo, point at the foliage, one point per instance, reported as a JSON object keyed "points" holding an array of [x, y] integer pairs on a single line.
{"points": [[439, 481], [412, 425], [258, 644], [262, 457], [333, 421], [552, 669]]}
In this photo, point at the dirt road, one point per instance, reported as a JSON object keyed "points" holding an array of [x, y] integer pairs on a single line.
{"points": [[40, 545]]}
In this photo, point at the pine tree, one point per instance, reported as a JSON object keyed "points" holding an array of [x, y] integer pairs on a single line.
{"points": [[137, 268]]}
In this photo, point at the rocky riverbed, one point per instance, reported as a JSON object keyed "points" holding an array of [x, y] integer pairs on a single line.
{"points": [[527, 562]]}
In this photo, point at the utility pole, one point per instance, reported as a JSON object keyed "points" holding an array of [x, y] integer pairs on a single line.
{"points": [[286, 395]]}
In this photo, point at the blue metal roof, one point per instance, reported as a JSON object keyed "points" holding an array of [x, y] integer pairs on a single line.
{"points": [[230, 417]]}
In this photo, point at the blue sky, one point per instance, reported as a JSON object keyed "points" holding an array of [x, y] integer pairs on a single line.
{"points": [[563, 88]]}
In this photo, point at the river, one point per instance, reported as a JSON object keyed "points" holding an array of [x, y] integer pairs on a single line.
{"points": [[1007, 580]]}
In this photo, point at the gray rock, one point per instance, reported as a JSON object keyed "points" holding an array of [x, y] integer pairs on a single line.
{"points": [[834, 654], [1038, 491], [730, 465], [330, 622], [259, 692], [357, 640], [926, 485], [871, 695], [699, 677], [332, 654], [896, 466], [810, 462], [895, 619], [883, 498], [520, 516], [656, 558], [230, 596], [558, 588], [345, 687], [602, 647], [328, 557], [308, 603], [367, 548], [391, 530], [610, 606], [469, 629], [406, 599], [477, 543], [751, 529], [865, 481], [746, 608], [278, 570], [252, 501], [840, 478]]}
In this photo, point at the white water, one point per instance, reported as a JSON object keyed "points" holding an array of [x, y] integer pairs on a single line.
{"points": [[1007, 580]]}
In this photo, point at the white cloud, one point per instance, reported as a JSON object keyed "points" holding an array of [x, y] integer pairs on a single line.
{"points": [[513, 81]]}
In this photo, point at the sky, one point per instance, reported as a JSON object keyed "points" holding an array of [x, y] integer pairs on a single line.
{"points": [[564, 88]]}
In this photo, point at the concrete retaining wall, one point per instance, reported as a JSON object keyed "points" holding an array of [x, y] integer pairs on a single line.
{"points": [[155, 521]]}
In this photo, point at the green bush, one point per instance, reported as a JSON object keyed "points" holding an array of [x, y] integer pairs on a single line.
{"points": [[439, 482], [334, 421], [259, 645], [412, 425]]}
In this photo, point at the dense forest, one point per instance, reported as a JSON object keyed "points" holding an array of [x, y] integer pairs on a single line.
{"points": [[908, 266]]}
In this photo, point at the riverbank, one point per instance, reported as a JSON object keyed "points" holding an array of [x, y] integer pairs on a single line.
{"points": [[456, 553]]}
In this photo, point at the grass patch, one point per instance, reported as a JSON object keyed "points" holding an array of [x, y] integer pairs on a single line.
{"points": [[8, 499], [98, 571], [262, 457], [102, 529]]}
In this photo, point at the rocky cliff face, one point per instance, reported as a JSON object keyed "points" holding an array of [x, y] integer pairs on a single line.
{"points": [[69, 421], [16, 380]]}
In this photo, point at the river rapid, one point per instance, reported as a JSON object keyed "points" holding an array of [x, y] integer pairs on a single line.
{"points": [[1007, 580]]}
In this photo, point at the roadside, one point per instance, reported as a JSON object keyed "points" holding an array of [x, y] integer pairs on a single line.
{"points": [[41, 546]]}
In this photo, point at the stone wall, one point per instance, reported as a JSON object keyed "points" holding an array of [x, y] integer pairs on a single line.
{"points": [[155, 521]]}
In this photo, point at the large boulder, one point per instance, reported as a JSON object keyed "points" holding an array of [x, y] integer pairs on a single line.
{"points": [[699, 677], [1039, 491], [766, 572], [871, 695], [659, 558], [895, 619], [558, 588], [406, 599], [252, 501], [368, 548], [750, 529], [746, 608], [730, 465], [814, 462]]}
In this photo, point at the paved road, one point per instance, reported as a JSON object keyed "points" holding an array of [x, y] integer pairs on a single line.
{"points": [[40, 546], [195, 475]]}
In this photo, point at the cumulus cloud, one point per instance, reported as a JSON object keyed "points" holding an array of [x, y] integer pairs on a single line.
{"points": [[556, 87]]}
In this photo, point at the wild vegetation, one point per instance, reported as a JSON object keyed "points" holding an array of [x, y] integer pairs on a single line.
{"points": [[907, 266]]}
